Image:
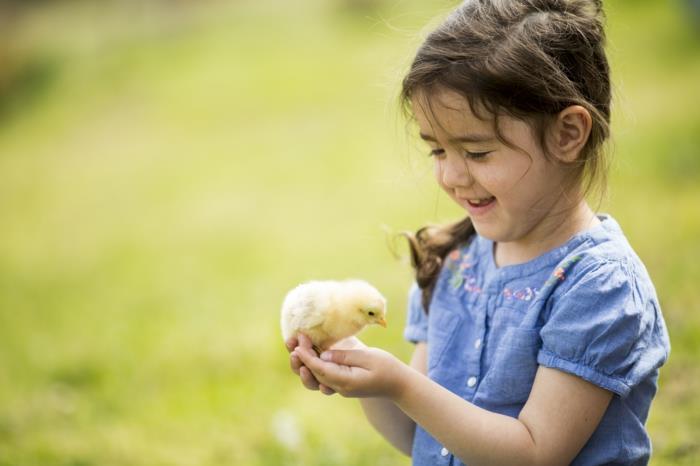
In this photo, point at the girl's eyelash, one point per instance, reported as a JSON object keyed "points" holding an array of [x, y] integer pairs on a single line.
{"points": [[477, 155], [471, 155]]}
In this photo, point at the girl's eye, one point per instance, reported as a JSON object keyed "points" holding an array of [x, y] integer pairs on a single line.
{"points": [[467, 154], [476, 155]]}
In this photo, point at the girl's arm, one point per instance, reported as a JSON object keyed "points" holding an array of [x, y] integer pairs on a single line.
{"points": [[392, 423], [388, 419], [559, 417]]}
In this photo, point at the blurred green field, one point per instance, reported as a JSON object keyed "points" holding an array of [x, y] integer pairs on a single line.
{"points": [[173, 171]]}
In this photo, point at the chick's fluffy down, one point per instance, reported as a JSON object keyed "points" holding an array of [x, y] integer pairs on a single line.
{"points": [[328, 311]]}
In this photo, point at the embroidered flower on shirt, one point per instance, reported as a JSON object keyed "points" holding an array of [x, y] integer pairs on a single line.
{"points": [[526, 294], [457, 263], [456, 280], [471, 285], [559, 273]]}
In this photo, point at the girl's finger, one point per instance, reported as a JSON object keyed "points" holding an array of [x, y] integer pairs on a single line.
{"points": [[291, 344], [354, 357], [308, 379], [295, 363], [326, 390], [304, 341], [322, 370]]}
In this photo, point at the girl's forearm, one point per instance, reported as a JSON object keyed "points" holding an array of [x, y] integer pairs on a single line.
{"points": [[392, 423], [476, 436], [386, 418]]}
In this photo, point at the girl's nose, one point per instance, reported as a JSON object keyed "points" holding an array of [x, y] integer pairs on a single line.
{"points": [[454, 171]]}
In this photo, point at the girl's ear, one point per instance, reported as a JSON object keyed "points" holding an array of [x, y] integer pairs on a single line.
{"points": [[569, 133]]}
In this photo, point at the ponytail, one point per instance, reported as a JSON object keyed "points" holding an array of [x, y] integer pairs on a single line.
{"points": [[429, 246]]}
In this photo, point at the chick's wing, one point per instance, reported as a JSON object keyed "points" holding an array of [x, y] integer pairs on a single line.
{"points": [[303, 309]]}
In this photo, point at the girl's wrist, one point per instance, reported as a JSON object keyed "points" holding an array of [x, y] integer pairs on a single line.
{"points": [[401, 381]]}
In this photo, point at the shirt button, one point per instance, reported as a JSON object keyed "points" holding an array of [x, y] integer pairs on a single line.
{"points": [[444, 451], [471, 382], [477, 343]]}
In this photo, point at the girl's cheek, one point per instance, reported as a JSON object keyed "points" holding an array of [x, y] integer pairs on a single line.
{"points": [[439, 174], [493, 177], [484, 176]]}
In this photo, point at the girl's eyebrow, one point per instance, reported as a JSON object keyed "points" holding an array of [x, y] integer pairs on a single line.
{"points": [[465, 138]]}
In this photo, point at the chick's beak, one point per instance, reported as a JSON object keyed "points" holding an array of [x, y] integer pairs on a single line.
{"points": [[382, 322]]}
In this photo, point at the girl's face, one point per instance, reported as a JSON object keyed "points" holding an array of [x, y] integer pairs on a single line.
{"points": [[510, 193]]}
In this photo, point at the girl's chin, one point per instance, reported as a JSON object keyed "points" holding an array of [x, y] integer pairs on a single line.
{"points": [[490, 231]]}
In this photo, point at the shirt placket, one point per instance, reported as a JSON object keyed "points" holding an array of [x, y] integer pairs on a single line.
{"points": [[473, 348]]}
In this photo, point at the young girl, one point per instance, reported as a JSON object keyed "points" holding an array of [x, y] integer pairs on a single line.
{"points": [[538, 332]]}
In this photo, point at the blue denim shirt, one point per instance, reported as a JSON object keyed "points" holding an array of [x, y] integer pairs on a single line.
{"points": [[587, 308]]}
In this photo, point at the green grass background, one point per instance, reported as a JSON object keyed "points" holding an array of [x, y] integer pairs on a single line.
{"points": [[169, 172]]}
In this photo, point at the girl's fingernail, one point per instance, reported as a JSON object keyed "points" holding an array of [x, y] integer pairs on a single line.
{"points": [[326, 356]]}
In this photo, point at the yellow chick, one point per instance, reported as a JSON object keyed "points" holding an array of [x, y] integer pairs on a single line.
{"points": [[328, 311]]}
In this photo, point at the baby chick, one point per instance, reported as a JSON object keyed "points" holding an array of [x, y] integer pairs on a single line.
{"points": [[328, 311]]}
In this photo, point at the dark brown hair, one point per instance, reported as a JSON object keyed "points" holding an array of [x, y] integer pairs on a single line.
{"points": [[529, 59]]}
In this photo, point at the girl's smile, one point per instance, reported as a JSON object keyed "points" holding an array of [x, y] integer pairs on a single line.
{"points": [[479, 207]]}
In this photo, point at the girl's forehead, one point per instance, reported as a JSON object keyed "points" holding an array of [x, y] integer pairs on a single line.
{"points": [[445, 113]]}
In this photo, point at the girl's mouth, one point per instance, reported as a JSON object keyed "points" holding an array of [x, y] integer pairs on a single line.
{"points": [[479, 207], [481, 202]]}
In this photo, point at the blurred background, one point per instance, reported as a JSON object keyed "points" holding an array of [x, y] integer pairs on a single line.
{"points": [[170, 169]]}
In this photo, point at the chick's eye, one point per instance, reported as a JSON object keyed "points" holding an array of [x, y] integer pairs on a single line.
{"points": [[371, 313]]}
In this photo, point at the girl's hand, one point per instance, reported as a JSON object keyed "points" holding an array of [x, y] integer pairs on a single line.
{"points": [[360, 372], [307, 378]]}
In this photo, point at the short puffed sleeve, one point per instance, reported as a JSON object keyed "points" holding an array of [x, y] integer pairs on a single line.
{"points": [[417, 320], [605, 327]]}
